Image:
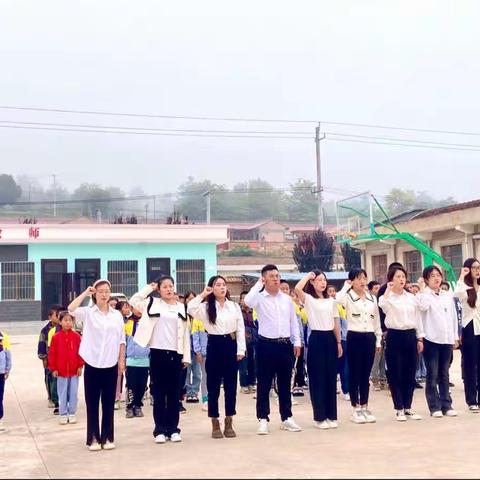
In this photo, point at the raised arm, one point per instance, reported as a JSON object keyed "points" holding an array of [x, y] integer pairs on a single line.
{"points": [[253, 297], [341, 297], [301, 285], [461, 287], [138, 300], [196, 308]]}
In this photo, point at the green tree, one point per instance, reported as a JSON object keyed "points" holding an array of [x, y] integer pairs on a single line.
{"points": [[97, 198], [9, 190], [314, 251], [398, 201], [351, 257], [302, 203]]}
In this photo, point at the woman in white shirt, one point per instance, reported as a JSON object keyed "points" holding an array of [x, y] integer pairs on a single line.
{"points": [[364, 338], [223, 321], [324, 347], [403, 342], [467, 291], [439, 319], [164, 328], [103, 349]]}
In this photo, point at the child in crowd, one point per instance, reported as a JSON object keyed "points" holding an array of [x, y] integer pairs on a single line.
{"points": [[138, 362], [126, 311], [199, 342], [66, 366], [5, 367], [44, 341]]}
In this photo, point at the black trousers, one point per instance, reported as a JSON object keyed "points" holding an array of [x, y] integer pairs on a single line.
{"points": [[471, 365], [401, 359], [300, 373], [137, 378], [322, 374], [100, 386], [361, 353], [437, 361], [274, 359], [2, 389], [165, 372], [221, 365]]}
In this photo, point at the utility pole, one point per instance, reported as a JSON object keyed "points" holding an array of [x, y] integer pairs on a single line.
{"points": [[54, 195], [146, 213], [207, 195], [318, 139], [154, 209]]}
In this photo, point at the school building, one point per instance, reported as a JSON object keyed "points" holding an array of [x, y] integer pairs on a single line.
{"points": [[46, 264]]}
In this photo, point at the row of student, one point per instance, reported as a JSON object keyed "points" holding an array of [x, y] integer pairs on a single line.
{"points": [[103, 342]]}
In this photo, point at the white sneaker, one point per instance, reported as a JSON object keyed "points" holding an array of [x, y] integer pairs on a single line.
{"points": [[290, 425], [72, 419], [437, 414], [294, 402], [161, 438], [332, 423], [357, 417], [346, 397], [108, 446], [263, 427], [410, 414], [400, 416], [95, 447], [322, 425], [175, 438], [63, 420], [369, 417], [451, 413], [205, 406], [474, 408]]}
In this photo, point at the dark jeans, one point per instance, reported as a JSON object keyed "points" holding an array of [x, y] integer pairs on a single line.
{"points": [[51, 385], [221, 365], [300, 372], [401, 360], [100, 385], [2, 389], [361, 352], [471, 365], [437, 360], [137, 383], [165, 373], [342, 368], [274, 359], [247, 368], [322, 374]]}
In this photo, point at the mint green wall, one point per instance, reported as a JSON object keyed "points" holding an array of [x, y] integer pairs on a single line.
{"points": [[122, 251]]}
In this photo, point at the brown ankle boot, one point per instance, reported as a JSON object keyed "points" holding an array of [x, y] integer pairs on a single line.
{"points": [[216, 431], [229, 432]]}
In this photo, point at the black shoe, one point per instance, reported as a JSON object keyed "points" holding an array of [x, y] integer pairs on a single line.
{"points": [[137, 412], [129, 413], [450, 384], [55, 411], [418, 385], [182, 409]]}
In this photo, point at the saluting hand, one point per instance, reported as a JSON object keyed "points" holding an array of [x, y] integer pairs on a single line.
{"points": [[206, 291], [465, 271], [89, 291], [421, 283], [153, 286]]}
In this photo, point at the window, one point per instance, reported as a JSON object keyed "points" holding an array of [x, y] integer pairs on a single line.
{"points": [[453, 255], [18, 281], [379, 267], [123, 275], [413, 264], [190, 276], [245, 234]]}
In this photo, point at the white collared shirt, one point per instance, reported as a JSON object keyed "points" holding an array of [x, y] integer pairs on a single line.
{"points": [[229, 320], [362, 313], [401, 312], [468, 313], [439, 316], [102, 335], [165, 331], [275, 314], [321, 312]]}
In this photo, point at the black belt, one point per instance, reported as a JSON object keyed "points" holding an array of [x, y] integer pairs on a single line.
{"points": [[275, 340]]}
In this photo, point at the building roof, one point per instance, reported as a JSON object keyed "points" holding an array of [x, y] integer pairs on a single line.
{"points": [[249, 225], [448, 209]]}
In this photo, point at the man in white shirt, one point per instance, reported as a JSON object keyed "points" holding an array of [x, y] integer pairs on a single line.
{"points": [[277, 331]]}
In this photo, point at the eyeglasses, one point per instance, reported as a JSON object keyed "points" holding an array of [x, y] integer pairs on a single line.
{"points": [[476, 268]]}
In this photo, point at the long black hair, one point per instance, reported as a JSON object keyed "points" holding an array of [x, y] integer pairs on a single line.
{"points": [[310, 289], [162, 279], [471, 292], [210, 299]]}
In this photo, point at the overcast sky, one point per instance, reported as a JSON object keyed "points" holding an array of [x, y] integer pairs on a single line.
{"points": [[401, 63]]}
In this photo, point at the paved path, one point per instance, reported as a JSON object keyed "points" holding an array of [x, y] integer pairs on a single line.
{"points": [[35, 446]]}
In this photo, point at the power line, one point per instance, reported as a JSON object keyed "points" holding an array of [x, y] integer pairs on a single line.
{"points": [[238, 119]]}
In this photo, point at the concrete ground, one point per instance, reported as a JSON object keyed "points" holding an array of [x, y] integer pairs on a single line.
{"points": [[35, 446]]}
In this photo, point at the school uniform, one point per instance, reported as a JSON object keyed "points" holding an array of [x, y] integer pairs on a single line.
{"points": [[439, 319], [5, 365], [364, 334], [165, 329], [404, 327], [226, 340], [44, 340], [199, 345], [470, 344], [102, 335], [322, 356], [278, 332]]}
